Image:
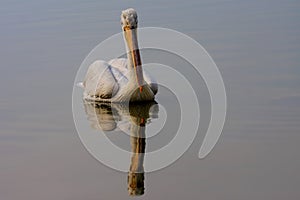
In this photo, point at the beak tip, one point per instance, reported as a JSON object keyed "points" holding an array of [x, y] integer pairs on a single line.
{"points": [[141, 88]]}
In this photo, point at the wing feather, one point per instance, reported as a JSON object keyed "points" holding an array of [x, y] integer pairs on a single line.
{"points": [[121, 65], [150, 81], [100, 81]]}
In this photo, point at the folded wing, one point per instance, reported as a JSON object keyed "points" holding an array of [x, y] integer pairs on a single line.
{"points": [[100, 82]]}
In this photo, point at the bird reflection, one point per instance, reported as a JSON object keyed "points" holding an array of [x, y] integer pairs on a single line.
{"points": [[134, 118]]}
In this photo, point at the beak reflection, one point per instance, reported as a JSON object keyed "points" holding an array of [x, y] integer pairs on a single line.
{"points": [[107, 117]]}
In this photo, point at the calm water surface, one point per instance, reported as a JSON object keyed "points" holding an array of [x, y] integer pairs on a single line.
{"points": [[256, 47]]}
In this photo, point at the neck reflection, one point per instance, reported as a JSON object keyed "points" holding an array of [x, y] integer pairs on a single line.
{"points": [[105, 116]]}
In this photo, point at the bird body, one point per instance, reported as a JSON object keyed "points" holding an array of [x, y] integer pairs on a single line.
{"points": [[121, 80], [113, 82]]}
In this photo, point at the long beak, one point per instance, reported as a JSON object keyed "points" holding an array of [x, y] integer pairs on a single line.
{"points": [[131, 37]]}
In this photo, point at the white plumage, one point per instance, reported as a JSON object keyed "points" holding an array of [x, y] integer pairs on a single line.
{"points": [[121, 79]]}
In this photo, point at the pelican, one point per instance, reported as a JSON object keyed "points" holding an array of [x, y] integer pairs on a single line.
{"points": [[121, 80]]}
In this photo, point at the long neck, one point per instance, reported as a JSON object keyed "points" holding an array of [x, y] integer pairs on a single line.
{"points": [[133, 56], [127, 39], [130, 63]]}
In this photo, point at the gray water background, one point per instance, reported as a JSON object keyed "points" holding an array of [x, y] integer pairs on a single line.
{"points": [[256, 47]]}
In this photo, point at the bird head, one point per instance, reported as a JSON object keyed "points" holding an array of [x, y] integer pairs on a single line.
{"points": [[129, 19]]}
